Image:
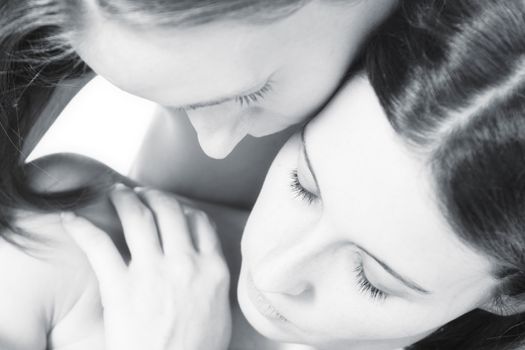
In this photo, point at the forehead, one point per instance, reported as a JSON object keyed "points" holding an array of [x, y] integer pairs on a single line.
{"points": [[198, 61], [380, 194]]}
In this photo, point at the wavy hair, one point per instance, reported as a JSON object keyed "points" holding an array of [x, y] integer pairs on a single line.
{"points": [[450, 76]]}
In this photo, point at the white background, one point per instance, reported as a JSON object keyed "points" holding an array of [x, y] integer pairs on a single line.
{"points": [[102, 122]]}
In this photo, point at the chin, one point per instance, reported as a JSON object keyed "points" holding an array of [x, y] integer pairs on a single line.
{"points": [[288, 333]]}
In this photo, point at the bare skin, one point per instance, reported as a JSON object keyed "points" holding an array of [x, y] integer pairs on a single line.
{"points": [[287, 70], [235, 180], [68, 314]]}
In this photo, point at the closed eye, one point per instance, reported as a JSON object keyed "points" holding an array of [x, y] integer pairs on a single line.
{"points": [[255, 97], [366, 287], [242, 100], [299, 190]]}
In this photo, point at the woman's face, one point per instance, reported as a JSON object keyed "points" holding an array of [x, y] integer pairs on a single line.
{"points": [[233, 78], [346, 247]]}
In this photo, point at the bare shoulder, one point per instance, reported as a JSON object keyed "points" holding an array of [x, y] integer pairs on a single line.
{"points": [[47, 287], [49, 295]]}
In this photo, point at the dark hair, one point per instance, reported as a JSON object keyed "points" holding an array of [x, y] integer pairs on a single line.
{"points": [[450, 76], [195, 12], [36, 58], [33, 61]]}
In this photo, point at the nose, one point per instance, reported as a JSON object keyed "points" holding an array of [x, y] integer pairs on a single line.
{"points": [[219, 143], [290, 270], [218, 130]]}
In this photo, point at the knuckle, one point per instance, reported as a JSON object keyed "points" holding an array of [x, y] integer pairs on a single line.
{"points": [[222, 270], [219, 270], [186, 263], [220, 280], [145, 213], [214, 249], [100, 241]]}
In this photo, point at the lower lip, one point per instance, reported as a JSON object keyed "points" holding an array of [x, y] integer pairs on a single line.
{"points": [[261, 303]]}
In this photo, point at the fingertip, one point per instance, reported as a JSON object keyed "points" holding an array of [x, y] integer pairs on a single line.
{"points": [[187, 210], [205, 232], [139, 189], [203, 216], [212, 223]]}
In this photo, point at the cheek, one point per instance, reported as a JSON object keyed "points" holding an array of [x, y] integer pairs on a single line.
{"points": [[352, 317], [261, 121], [308, 77], [278, 215], [299, 92]]}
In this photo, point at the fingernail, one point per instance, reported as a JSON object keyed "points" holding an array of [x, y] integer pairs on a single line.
{"points": [[120, 186], [187, 210], [213, 224], [139, 188], [202, 215]]}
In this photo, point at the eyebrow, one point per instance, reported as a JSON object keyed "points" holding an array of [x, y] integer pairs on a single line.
{"points": [[308, 162], [404, 280]]}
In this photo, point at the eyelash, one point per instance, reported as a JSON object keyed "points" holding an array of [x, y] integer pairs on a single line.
{"points": [[366, 287], [254, 97], [244, 100], [299, 191], [363, 283]]}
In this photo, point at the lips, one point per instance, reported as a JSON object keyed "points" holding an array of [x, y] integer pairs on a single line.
{"points": [[262, 304]]}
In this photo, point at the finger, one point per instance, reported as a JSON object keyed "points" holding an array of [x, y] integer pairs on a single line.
{"points": [[103, 256], [204, 233], [171, 221], [138, 225]]}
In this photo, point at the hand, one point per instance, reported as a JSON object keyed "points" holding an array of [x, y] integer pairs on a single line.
{"points": [[173, 295]]}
